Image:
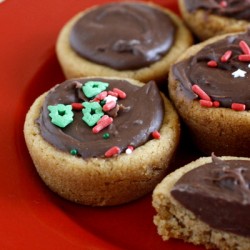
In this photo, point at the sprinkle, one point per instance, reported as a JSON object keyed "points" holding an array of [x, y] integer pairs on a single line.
{"points": [[108, 106], [226, 56], [92, 113], [77, 106], [201, 93], [106, 136], [73, 151], [238, 106], [110, 98], [129, 150], [239, 73], [102, 102], [93, 88], [102, 95], [156, 135], [102, 123], [61, 115], [121, 94], [244, 58], [212, 64], [112, 151], [206, 103], [244, 47], [216, 104], [223, 4], [113, 93]]}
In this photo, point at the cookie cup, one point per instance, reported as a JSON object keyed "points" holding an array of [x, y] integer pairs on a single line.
{"points": [[220, 130], [175, 221], [75, 66], [102, 181], [206, 25]]}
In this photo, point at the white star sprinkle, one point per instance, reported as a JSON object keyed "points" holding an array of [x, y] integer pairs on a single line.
{"points": [[110, 98], [239, 73], [248, 65]]}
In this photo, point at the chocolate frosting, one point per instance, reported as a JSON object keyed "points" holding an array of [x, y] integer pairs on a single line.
{"points": [[123, 36], [218, 82], [135, 118], [238, 9], [218, 194]]}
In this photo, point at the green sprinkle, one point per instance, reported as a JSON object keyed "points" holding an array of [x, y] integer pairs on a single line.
{"points": [[92, 113], [74, 151], [93, 88], [102, 102], [61, 115], [106, 136]]}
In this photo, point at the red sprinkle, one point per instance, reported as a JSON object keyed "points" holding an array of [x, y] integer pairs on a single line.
{"points": [[244, 47], [216, 104], [109, 105], [112, 93], [226, 56], [121, 94], [77, 106], [131, 147], [212, 64], [156, 134], [102, 123], [102, 95], [244, 58], [201, 93], [238, 106], [112, 151], [205, 103], [223, 4]]}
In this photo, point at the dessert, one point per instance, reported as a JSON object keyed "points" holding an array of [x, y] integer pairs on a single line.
{"points": [[102, 141], [206, 202], [208, 18], [209, 86], [125, 39]]}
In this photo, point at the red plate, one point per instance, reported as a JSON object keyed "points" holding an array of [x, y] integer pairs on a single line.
{"points": [[32, 217]]}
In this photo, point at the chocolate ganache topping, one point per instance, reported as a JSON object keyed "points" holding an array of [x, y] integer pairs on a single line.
{"points": [[131, 120], [123, 36], [238, 9], [221, 70], [218, 194]]}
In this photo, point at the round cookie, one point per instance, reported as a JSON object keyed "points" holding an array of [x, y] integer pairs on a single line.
{"points": [[108, 165], [209, 86], [126, 39], [205, 203], [210, 18]]}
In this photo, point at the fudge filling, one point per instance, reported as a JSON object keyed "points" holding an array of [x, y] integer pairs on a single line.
{"points": [[90, 116], [237, 9], [123, 36], [219, 73], [218, 194]]}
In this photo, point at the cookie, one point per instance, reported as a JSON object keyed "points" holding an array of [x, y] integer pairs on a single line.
{"points": [[206, 202], [207, 19], [209, 86], [102, 141], [125, 39]]}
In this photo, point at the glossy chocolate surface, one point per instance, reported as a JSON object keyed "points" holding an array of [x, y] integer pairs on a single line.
{"points": [[228, 82], [218, 194], [134, 118], [123, 36]]}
